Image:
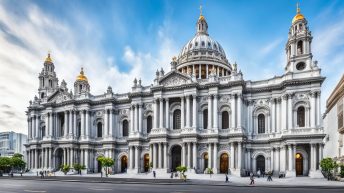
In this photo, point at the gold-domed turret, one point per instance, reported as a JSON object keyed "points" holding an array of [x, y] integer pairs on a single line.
{"points": [[81, 76], [48, 59], [298, 15], [201, 17]]}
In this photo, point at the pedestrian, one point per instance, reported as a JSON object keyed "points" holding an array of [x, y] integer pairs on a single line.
{"points": [[21, 172], [42, 175], [101, 173], [258, 173], [171, 175], [252, 179], [269, 176], [154, 174], [227, 178]]}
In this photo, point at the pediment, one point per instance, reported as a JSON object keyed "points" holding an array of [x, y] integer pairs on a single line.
{"points": [[174, 78], [59, 96]]}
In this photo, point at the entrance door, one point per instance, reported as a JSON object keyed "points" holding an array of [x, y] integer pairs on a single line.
{"points": [[224, 163], [176, 153], [205, 157], [124, 164], [299, 164], [261, 163], [99, 166], [146, 162]]}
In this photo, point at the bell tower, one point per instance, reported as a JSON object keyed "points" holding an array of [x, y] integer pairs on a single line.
{"points": [[48, 82], [202, 25], [298, 47], [81, 85]]}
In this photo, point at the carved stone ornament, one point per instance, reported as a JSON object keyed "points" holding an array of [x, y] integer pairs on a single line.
{"points": [[173, 81], [99, 113]]}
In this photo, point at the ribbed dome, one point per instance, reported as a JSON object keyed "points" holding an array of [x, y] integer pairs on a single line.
{"points": [[202, 42]]}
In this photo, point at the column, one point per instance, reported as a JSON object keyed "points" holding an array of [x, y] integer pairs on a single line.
{"points": [[65, 125], [183, 155], [32, 131], [136, 123], [86, 158], [313, 153], [290, 157], [272, 158], [140, 118], [209, 112], [165, 156], [160, 156], [273, 116], [188, 111], [131, 157], [49, 157], [75, 124], [167, 114], [82, 123], [249, 160], [111, 123], [210, 165], [215, 158], [239, 110], [278, 115], [29, 128], [232, 157], [70, 131], [239, 155], [37, 126], [194, 159], [321, 152], [71, 161], [155, 118], [312, 109], [199, 71], [132, 119], [182, 112], [82, 157], [161, 112], [150, 153], [207, 71], [233, 112], [194, 111], [216, 118], [154, 156], [189, 155], [318, 109], [106, 124], [50, 130], [46, 125], [137, 158], [290, 112], [293, 157], [87, 124], [284, 110]]}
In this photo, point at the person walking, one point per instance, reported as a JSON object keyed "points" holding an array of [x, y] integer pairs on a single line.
{"points": [[252, 179], [227, 178], [269, 176], [154, 174], [258, 173]]}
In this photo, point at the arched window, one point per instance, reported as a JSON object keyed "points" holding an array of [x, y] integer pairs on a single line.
{"points": [[261, 123], [205, 119], [299, 47], [301, 116], [43, 131], [99, 129], [125, 128], [225, 120], [177, 119], [50, 83], [80, 88], [42, 95], [149, 124], [43, 82]]}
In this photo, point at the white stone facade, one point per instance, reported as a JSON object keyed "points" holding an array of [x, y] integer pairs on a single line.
{"points": [[201, 114]]}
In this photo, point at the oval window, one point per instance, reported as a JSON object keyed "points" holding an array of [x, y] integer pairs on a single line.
{"points": [[300, 66]]}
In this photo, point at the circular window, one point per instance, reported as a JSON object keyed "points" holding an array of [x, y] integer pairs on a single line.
{"points": [[301, 66]]}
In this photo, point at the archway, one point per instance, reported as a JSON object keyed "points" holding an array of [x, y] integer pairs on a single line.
{"points": [[176, 153], [58, 158], [224, 163], [124, 164], [146, 162], [260, 163], [206, 159], [299, 164], [99, 168]]}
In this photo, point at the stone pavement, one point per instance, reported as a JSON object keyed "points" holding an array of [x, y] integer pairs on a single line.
{"points": [[202, 179]]}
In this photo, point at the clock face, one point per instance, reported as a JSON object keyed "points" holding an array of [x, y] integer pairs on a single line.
{"points": [[300, 66]]}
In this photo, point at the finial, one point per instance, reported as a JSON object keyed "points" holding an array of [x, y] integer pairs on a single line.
{"points": [[200, 9], [82, 71], [174, 58], [297, 7], [48, 59]]}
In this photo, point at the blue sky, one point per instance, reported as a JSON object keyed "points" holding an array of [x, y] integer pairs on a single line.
{"points": [[116, 41]]}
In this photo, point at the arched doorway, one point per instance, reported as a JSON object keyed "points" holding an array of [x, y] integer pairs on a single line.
{"points": [[176, 153], [206, 159], [146, 162], [224, 163], [260, 163], [58, 158], [124, 164], [299, 164], [99, 164]]}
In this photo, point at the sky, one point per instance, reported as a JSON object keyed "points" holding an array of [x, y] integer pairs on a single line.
{"points": [[119, 40]]}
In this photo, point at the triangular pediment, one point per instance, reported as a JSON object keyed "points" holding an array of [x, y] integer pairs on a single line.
{"points": [[174, 78], [59, 96]]}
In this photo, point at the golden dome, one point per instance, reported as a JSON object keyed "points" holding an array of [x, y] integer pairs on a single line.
{"points": [[81, 76], [298, 15], [201, 17], [48, 59]]}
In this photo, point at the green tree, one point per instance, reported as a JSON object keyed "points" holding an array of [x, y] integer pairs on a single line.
{"points": [[342, 171], [106, 163], [5, 163], [182, 170], [328, 165], [78, 167], [17, 162], [65, 168]]}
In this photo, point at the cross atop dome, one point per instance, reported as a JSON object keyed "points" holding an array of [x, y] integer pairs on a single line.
{"points": [[202, 26]]}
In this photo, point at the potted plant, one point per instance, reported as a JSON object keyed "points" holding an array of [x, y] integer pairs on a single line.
{"points": [[182, 170], [328, 165], [106, 163], [65, 169]]}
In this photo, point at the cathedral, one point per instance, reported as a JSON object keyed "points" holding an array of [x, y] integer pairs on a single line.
{"points": [[200, 114]]}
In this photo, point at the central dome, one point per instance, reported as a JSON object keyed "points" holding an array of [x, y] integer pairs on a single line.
{"points": [[202, 54]]}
